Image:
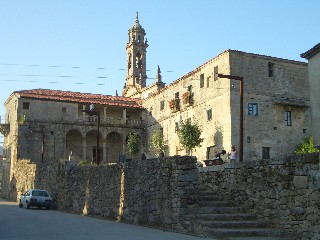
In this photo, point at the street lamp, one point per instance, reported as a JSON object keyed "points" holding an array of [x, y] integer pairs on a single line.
{"points": [[92, 112], [240, 79]]}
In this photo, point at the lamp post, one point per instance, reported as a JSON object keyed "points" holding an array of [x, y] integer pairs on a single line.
{"points": [[92, 112], [240, 79]]}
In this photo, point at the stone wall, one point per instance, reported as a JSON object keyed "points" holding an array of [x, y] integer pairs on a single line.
{"points": [[284, 192], [152, 192]]}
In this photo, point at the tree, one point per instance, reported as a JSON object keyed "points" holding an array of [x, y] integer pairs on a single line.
{"points": [[158, 144], [189, 135], [307, 146], [133, 143]]}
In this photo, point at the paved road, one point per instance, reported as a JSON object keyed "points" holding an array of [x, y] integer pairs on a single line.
{"points": [[34, 224]]}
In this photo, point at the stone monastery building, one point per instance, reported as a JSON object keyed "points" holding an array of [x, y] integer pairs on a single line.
{"points": [[48, 125]]}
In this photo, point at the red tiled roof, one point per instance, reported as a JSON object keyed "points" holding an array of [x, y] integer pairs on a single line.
{"points": [[67, 96]]}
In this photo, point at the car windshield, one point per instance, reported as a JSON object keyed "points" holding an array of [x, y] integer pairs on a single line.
{"points": [[40, 193]]}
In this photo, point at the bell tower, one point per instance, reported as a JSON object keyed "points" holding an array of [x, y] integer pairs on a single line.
{"points": [[136, 60]]}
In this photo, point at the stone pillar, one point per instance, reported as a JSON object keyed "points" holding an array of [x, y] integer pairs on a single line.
{"points": [[124, 116], [104, 150], [83, 113], [105, 114], [84, 148]]}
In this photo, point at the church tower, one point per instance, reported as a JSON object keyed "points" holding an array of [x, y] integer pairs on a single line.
{"points": [[136, 61]]}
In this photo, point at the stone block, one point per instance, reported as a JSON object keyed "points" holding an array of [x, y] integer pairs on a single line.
{"points": [[300, 182]]}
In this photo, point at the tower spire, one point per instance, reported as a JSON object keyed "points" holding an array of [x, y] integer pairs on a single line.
{"points": [[136, 59]]}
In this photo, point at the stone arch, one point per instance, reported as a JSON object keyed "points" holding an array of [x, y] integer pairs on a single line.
{"points": [[74, 145], [114, 147]]}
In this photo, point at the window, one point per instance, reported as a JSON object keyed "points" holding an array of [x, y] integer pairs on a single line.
{"points": [[215, 73], [209, 114], [190, 88], [201, 80], [161, 105], [265, 153], [26, 105], [208, 82], [288, 118], [271, 69], [253, 109], [176, 129]]}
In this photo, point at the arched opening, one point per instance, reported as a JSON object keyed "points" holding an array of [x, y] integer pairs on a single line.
{"points": [[114, 147], [74, 145]]}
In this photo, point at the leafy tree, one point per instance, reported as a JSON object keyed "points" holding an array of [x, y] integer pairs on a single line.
{"points": [[189, 135], [133, 143], [158, 144], [307, 146]]}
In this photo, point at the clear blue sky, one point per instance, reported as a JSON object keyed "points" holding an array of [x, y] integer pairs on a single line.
{"points": [[79, 45]]}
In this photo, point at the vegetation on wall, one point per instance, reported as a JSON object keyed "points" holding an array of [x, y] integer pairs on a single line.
{"points": [[133, 143], [189, 135], [158, 144], [307, 146]]}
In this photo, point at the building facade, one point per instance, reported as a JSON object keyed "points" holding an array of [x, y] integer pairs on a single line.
{"points": [[313, 57], [48, 125]]}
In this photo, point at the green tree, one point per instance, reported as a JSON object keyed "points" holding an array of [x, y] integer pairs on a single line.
{"points": [[189, 135], [133, 143], [307, 146], [158, 144]]}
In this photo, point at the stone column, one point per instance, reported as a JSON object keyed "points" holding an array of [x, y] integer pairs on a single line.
{"points": [[83, 113], [84, 148], [124, 116], [105, 114], [104, 151]]}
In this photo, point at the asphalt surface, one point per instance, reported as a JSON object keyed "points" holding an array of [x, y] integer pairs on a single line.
{"points": [[35, 224]]}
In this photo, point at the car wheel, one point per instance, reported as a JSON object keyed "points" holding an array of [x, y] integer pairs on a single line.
{"points": [[20, 205], [28, 206]]}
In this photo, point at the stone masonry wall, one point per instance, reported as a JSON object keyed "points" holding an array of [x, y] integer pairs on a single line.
{"points": [[284, 192], [152, 192]]}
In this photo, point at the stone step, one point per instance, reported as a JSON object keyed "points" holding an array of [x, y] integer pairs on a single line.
{"points": [[216, 203], [211, 197], [244, 232], [225, 217], [233, 224], [259, 238], [223, 210]]}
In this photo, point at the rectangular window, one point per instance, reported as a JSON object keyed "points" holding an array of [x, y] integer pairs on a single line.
{"points": [[161, 105], [201, 80], [215, 73], [288, 118], [271, 69], [209, 114], [26, 105], [265, 153], [176, 129], [208, 82], [253, 109], [190, 88]]}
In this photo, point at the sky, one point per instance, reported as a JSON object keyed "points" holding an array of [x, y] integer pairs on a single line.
{"points": [[79, 45]]}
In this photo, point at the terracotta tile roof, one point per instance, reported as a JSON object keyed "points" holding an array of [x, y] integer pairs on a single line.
{"points": [[77, 97]]}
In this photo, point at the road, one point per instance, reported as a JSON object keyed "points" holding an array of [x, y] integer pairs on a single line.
{"points": [[31, 224]]}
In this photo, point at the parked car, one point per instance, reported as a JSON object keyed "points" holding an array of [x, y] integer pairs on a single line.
{"points": [[35, 198]]}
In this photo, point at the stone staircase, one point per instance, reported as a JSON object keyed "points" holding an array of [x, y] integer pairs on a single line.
{"points": [[225, 219]]}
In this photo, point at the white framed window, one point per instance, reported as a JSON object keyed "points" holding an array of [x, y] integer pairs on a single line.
{"points": [[253, 109], [288, 118]]}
